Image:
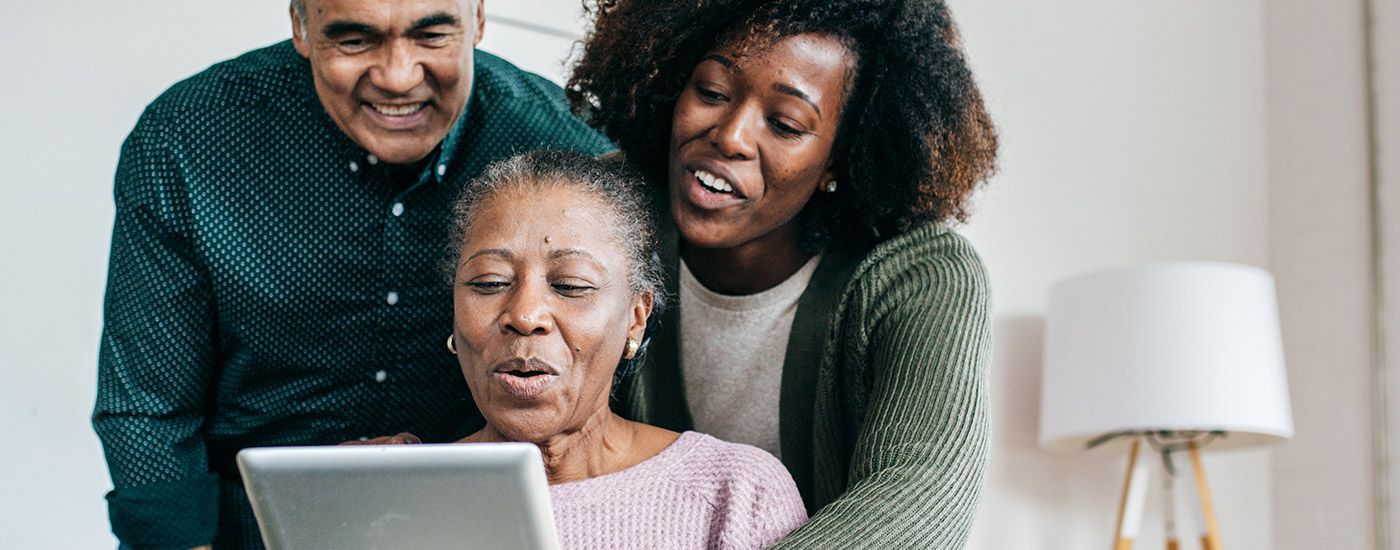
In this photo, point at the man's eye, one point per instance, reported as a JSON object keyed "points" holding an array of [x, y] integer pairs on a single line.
{"points": [[353, 44]]}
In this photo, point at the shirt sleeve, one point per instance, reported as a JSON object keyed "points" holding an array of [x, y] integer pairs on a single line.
{"points": [[158, 354], [919, 461]]}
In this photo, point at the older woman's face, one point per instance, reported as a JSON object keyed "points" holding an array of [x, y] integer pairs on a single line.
{"points": [[543, 311], [751, 139]]}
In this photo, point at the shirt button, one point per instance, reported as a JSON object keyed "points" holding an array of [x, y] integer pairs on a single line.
{"points": [[392, 298], [381, 376], [442, 170], [373, 160], [398, 209], [354, 166]]}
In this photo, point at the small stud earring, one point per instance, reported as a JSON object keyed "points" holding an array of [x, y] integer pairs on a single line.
{"points": [[831, 186], [451, 346], [632, 346]]}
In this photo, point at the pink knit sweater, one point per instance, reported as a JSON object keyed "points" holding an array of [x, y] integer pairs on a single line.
{"points": [[698, 493]]}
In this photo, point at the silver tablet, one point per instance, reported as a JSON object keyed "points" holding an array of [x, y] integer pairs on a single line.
{"points": [[481, 495]]}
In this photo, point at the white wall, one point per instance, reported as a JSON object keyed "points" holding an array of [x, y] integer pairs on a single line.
{"points": [[77, 74], [76, 77], [1132, 131]]}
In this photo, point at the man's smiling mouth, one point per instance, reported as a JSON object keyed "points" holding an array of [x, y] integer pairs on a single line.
{"points": [[402, 110]]}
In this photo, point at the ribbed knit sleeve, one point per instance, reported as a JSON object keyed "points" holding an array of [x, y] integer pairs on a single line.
{"points": [[912, 347]]}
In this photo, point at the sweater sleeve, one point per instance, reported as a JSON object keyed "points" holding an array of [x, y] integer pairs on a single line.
{"points": [[919, 460], [157, 356], [760, 504]]}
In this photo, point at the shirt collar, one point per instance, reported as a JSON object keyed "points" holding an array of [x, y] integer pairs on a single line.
{"points": [[442, 158]]}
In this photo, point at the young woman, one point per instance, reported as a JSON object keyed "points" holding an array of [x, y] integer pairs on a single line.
{"points": [[807, 158]]}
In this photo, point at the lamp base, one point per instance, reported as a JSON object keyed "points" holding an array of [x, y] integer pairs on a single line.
{"points": [[1130, 504]]}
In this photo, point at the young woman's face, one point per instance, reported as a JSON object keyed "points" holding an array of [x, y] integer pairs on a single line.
{"points": [[751, 139], [543, 309]]}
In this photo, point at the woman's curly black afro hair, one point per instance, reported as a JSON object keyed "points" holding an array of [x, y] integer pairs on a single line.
{"points": [[915, 140]]}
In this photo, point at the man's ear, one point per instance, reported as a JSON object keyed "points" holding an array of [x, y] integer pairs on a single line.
{"points": [[480, 22], [298, 37]]}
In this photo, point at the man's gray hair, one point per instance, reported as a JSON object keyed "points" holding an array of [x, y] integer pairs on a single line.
{"points": [[300, 7]]}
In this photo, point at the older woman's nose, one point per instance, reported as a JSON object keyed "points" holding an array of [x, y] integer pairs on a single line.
{"points": [[528, 313]]}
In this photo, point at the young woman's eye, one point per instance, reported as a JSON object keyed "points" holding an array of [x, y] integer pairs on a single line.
{"points": [[784, 129], [710, 95]]}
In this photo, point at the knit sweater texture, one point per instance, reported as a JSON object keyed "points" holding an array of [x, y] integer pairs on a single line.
{"points": [[884, 408], [699, 492], [732, 348]]}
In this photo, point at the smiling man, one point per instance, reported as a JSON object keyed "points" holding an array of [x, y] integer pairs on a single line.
{"points": [[274, 275]]}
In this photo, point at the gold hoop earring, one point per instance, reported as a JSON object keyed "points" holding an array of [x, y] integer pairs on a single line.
{"points": [[451, 346], [632, 346]]}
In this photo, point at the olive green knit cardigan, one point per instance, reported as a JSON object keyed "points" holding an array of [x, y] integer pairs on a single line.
{"points": [[883, 405]]}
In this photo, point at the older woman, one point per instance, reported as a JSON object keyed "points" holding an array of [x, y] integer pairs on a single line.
{"points": [[809, 157], [554, 280]]}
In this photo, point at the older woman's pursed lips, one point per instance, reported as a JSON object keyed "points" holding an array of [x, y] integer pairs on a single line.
{"points": [[524, 378]]}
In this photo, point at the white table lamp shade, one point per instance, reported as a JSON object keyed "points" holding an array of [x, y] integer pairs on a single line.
{"points": [[1180, 346]]}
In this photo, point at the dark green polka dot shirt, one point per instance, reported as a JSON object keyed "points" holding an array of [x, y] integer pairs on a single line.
{"points": [[272, 283]]}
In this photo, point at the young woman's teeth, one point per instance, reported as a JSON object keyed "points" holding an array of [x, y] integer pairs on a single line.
{"points": [[713, 183], [397, 110]]}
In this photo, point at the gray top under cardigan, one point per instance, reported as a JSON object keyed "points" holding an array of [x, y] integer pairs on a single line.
{"points": [[884, 408]]}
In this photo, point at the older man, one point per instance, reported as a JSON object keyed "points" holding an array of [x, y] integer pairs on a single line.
{"points": [[275, 271]]}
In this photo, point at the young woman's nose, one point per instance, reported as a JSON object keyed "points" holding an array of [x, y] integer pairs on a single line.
{"points": [[733, 135]]}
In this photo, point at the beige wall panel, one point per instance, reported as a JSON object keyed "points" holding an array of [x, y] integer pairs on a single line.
{"points": [[1385, 39], [1319, 216]]}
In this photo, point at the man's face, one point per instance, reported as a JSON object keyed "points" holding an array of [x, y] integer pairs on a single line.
{"points": [[394, 75]]}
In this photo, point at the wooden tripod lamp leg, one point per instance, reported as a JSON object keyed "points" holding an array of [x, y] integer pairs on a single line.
{"points": [[1210, 540], [1134, 496]]}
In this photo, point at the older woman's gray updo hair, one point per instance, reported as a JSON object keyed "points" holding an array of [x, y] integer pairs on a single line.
{"points": [[618, 190]]}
